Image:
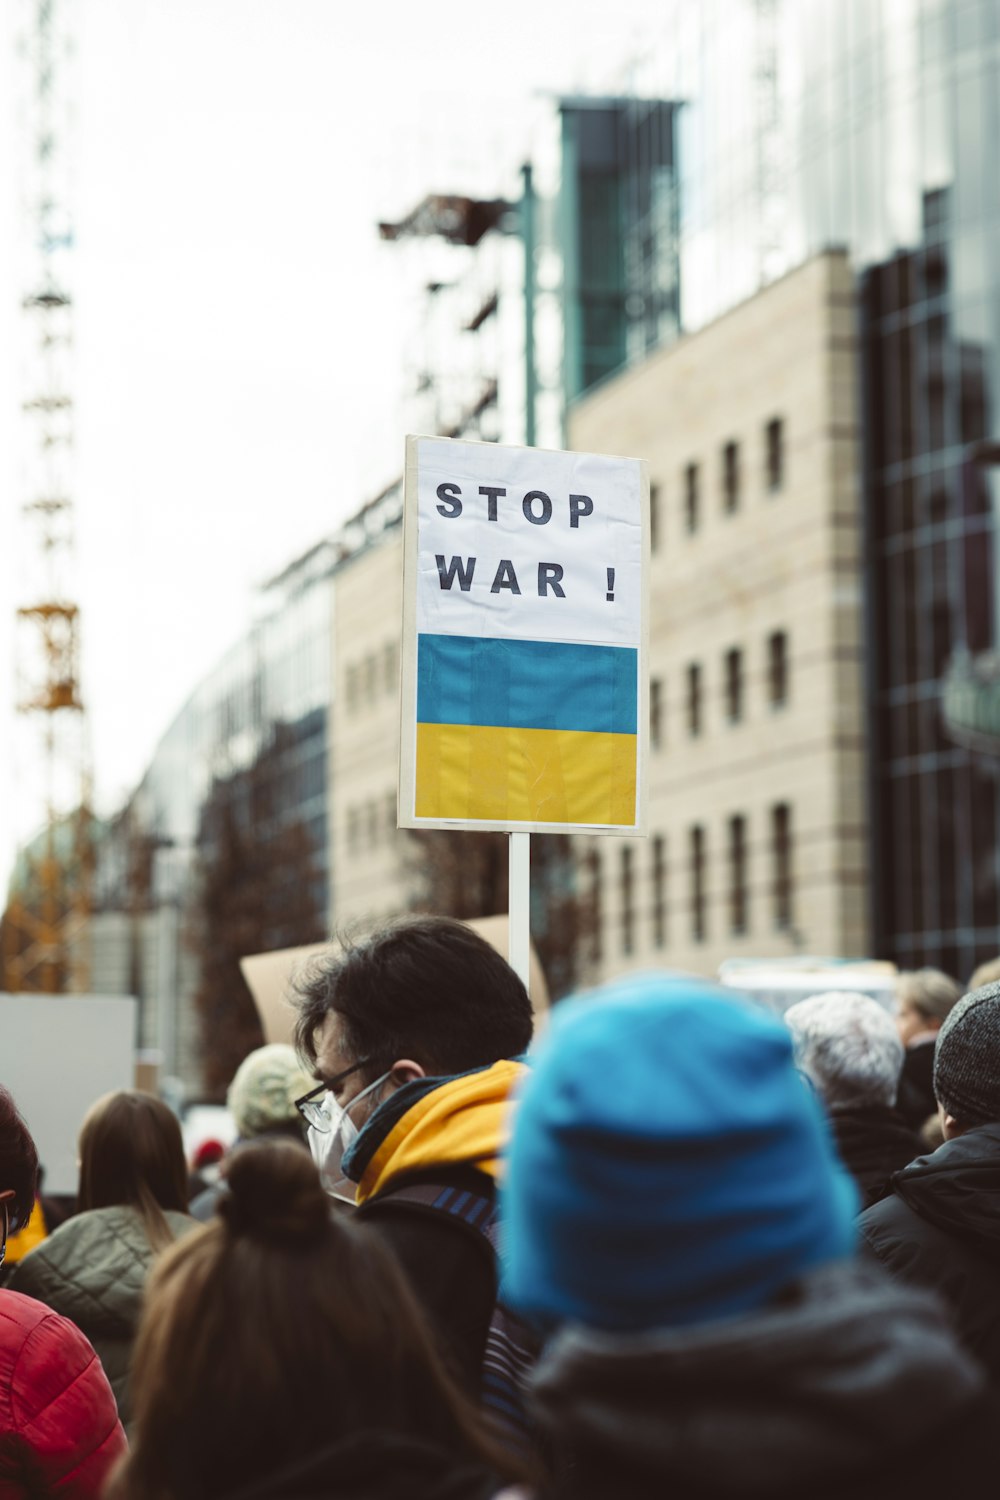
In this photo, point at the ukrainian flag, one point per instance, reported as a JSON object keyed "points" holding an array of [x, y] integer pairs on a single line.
{"points": [[515, 731]]}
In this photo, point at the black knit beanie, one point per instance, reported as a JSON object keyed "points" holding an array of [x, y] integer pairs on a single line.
{"points": [[967, 1059]]}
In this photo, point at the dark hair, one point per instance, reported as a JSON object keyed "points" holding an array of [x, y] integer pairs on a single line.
{"points": [[18, 1161], [428, 988], [271, 1333], [131, 1151]]}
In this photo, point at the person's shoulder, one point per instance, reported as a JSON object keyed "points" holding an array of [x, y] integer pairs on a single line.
{"points": [[19, 1316], [181, 1223], [34, 1340], [887, 1221], [56, 1397]]}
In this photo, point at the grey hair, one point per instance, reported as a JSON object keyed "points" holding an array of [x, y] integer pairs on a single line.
{"points": [[987, 973], [929, 991], [849, 1046]]}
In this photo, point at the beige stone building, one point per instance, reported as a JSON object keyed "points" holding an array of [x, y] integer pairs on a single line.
{"points": [[757, 759], [370, 876], [757, 741]]}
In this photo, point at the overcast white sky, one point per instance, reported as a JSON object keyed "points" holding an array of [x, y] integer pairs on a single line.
{"points": [[238, 329]]}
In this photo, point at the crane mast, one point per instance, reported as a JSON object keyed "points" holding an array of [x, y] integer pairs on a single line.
{"points": [[46, 924]]}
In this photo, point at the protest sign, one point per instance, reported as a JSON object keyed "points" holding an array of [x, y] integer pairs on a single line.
{"points": [[525, 628]]}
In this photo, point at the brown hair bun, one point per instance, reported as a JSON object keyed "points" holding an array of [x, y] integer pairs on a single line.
{"points": [[275, 1194]]}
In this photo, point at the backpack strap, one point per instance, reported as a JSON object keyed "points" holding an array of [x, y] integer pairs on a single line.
{"points": [[512, 1348]]}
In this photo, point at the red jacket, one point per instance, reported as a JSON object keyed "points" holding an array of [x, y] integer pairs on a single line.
{"points": [[59, 1427]]}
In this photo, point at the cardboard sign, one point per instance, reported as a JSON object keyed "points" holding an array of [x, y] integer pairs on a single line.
{"points": [[524, 703]]}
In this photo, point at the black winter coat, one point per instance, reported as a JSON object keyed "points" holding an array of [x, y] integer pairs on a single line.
{"points": [[940, 1228], [849, 1388], [915, 1100], [448, 1264], [873, 1142]]}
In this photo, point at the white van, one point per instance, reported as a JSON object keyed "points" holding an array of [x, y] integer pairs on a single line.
{"points": [[778, 983]]}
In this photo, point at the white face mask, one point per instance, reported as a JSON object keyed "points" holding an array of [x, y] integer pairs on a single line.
{"points": [[329, 1147]]}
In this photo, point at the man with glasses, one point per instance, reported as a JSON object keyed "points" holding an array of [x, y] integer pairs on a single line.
{"points": [[415, 1036]]}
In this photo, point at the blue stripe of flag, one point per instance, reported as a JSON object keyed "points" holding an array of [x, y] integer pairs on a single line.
{"points": [[464, 679]]}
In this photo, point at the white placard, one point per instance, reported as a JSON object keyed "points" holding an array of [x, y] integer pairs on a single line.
{"points": [[481, 506], [524, 703]]}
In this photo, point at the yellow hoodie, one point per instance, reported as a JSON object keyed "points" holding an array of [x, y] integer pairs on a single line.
{"points": [[464, 1122]]}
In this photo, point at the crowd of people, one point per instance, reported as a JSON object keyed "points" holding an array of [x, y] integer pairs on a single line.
{"points": [[676, 1245]]}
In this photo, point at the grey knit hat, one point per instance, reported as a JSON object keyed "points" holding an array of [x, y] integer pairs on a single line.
{"points": [[262, 1094], [967, 1059]]}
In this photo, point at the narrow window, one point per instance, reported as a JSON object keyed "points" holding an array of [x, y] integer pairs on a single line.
{"points": [[691, 498], [390, 662], [694, 699], [654, 518], [596, 906], [659, 874], [352, 829], [628, 902], [737, 874], [372, 823], [781, 859], [777, 669], [352, 687], [371, 677], [655, 713], [698, 884], [734, 685], [731, 477], [775, 438]]}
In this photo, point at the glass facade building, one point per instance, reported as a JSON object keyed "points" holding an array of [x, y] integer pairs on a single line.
{"points": [[253, 737], [871, 124], [900, 105]]}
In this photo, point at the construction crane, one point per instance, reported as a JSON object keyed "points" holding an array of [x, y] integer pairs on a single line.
{"points": [[46, 923]]}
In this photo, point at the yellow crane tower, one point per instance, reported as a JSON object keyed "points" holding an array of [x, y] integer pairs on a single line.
{"points": [[46, 922]]}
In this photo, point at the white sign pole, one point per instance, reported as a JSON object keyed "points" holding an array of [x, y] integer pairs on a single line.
{"points": [[519, 882]]}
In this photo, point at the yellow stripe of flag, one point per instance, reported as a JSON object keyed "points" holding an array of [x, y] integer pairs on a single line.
{"points": [[473, 771]]}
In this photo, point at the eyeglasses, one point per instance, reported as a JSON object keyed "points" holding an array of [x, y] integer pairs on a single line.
{"points": [[313, 1106]]}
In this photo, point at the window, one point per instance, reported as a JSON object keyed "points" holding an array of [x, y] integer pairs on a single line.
{"points": [[734, 685], [352, 687], [654, 518], [731, 478], [691, 498], [777, 669], [781, 861], [372, 822], [737, 874], [390, 666], [371, 677], [594, 867], [775, 436], [694, 699], [390, 814], [628, 906], [698, 924], [659, 874], [352, 829], [655, 713]]}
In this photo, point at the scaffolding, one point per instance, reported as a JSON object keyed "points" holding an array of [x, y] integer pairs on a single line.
{"points": [[46, 922]]}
